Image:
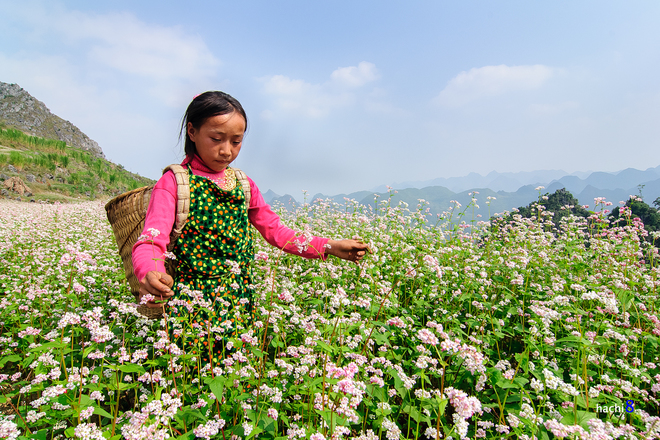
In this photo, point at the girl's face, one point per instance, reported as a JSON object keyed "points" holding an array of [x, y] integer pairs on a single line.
{"points": [[219, 139]]}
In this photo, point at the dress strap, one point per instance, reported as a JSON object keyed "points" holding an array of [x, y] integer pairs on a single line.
{"points": [[245, 184]]}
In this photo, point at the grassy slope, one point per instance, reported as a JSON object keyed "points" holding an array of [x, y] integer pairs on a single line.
{"points": [[77, 174]]}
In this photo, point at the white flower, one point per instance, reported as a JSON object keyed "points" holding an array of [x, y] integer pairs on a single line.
{"points": [[247, 428], [86, 413]]}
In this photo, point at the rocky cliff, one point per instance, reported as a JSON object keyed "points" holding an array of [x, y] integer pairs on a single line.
{"points": [[21, 110]]}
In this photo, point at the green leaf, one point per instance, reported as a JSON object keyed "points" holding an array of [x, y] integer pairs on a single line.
{"points": [[102, 412], [520, 381], [64, 399], [378, 393], [521, 358], [581, 402], [131, 368], [380, 338], [88, 350], [257, 352], [578, 418], [267, 424], [256, 430], [652, 340], [47, 346], [325, 347], [123, 386], [495, 376], [414, 413], [569, 339], [28, 360], [189, 415], [217, 386], [40, 435], [398, 383], [506, 384], [443, 405], [85, 401], [10, 358]]}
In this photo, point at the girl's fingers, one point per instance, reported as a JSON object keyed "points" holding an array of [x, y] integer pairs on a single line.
{"points": [[167, 280], [157, 285], [159, 281]]}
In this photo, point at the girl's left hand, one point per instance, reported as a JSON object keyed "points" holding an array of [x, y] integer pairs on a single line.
{"points": [[351, 250]]}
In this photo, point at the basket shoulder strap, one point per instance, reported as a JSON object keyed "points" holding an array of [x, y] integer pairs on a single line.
{"points": [[245, 183], [182, 197]]}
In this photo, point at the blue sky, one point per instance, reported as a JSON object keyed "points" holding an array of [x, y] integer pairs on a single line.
{"points": [[344, 96]]}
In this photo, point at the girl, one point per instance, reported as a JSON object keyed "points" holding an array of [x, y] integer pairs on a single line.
{"points": [[214, 251]]}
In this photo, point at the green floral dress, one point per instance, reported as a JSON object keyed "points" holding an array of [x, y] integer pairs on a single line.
{"points": [[213, 255]]}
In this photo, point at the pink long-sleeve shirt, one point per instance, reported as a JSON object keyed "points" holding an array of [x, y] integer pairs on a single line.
{"points": [[162, 210]]}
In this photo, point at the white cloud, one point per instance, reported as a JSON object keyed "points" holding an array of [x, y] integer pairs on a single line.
{"points": [[284, 86], [124, 43], [551, 109], [122, 48], [51, 79], [489, 81], [356, 76], [296, 95], [317, 100]]}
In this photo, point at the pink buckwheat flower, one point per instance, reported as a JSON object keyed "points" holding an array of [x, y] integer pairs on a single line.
{"points": [[86, 413], [30, 331], [210, 429], [261, 256], [465, 406], [9, 430], [146, 298], [427, 337], [88, 431]]}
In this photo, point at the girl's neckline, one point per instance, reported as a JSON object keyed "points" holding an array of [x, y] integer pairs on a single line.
{"points": [[197, 163], [226, 181]]}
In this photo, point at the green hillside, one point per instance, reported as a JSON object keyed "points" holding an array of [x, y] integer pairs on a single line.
{"points": [[55, 171]]}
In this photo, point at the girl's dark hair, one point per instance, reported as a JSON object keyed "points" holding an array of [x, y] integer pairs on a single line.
{"points": [[205, 106]]}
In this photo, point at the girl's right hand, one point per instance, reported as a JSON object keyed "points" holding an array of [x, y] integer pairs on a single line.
{"points": [[157, 284], [351, 250]]}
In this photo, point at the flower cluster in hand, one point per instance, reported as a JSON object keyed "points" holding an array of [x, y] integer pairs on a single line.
{"points": [[512, 328]]}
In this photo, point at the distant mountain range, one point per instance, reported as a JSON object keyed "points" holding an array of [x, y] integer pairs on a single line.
{"points": [[496, 181], [510, 190]]}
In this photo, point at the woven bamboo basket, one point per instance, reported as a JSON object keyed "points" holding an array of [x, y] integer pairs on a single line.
{"points": [[126, 214]]}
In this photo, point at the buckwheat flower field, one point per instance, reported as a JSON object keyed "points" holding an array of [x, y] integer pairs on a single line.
{"points": [[516, 329]]}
